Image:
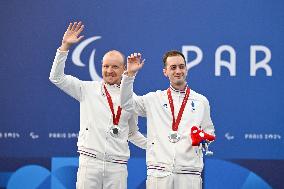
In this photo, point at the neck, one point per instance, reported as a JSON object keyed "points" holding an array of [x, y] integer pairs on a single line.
{"points": [[180, 87], [112, 84]]}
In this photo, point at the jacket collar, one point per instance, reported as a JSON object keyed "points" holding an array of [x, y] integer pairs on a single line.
{"points": [[178, 91]]}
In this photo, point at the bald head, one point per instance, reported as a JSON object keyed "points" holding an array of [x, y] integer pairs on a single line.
{"points": [[114, 55]]}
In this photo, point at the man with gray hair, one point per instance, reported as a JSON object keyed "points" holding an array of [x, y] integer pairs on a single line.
{"points": [[105, 127]]}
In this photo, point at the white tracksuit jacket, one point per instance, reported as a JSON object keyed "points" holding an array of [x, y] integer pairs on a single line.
{"points": [[161, 154], [96, 117]]}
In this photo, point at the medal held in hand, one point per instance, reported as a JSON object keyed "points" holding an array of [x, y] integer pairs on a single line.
{"points": [[174, 136], [114, 130]]}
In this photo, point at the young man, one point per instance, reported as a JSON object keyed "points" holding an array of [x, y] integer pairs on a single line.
{"points": [[172, 161], [105, 128]]}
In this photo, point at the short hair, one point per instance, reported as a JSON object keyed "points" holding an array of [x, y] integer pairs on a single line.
{"points": [[115, 52], [172, 53]]}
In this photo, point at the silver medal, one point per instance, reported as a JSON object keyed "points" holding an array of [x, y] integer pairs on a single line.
{"points": [[174, 137], [114, 131]]}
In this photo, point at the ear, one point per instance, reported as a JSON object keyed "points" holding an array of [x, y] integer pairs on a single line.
{"points": [[165, 72]]}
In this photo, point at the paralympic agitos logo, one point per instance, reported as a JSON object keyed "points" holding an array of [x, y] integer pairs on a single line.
{"points": [[76, 57]]}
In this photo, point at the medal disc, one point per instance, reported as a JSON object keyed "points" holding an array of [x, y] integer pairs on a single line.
{"points": [[174, 136], [114, 131]]}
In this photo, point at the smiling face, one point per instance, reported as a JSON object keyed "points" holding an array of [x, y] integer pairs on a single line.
{"points": [[175, 70], [113, 67]]}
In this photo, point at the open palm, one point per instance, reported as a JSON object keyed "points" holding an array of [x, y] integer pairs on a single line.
{"points": [[72, 34], [134, 63]]}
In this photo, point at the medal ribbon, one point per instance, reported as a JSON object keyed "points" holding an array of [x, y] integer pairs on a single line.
{"points": [[115, 119], [176, 122]]}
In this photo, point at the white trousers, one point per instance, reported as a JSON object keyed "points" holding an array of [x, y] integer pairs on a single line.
{"points": [[97, 174], [175, 181]]}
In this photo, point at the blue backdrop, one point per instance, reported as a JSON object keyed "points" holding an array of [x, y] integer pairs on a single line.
{"points": [[234, 52]]}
